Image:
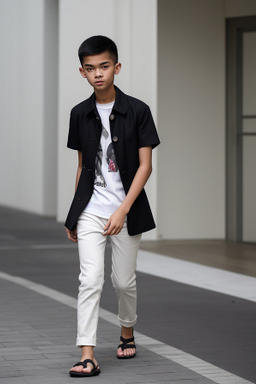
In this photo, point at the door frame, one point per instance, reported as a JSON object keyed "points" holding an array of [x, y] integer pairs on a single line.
{"points": [[234, 213]]}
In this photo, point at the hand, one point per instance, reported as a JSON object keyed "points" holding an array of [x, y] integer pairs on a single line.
{"points": [[115, 223], [72, 235]]}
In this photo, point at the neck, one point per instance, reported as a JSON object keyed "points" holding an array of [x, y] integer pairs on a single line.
{"points": [[106, 96]]}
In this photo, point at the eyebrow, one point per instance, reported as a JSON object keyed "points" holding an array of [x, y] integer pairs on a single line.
{"points": [[90, 65]]}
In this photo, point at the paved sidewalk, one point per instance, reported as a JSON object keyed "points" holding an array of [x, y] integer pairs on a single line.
{"points": [[37, 346], [184, 334]]}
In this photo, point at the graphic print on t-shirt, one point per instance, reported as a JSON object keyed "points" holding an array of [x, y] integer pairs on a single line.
{"points": [[99, 179], [110, 159]]}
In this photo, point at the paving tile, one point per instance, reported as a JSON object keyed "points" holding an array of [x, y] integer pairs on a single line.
{"points": [[11, 350], [25, 357], [58, 354], [13, 380]]}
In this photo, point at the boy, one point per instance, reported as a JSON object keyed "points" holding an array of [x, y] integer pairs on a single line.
{"points": [[114, 135]]}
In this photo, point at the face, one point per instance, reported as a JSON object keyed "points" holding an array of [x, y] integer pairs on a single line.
{"points": [[100, 71]]}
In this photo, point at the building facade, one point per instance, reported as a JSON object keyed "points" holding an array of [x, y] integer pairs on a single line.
{"points": [[176, 56]]}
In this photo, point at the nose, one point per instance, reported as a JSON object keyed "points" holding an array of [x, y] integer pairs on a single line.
{"points": [[98, 72]]}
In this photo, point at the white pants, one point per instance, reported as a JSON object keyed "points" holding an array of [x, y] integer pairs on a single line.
{"points": [[91, 248]]}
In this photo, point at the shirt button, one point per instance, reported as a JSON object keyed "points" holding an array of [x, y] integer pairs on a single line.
{"points": [[115, 139], [111, 117]]}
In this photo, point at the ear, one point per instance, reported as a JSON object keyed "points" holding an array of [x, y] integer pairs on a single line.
{"points": [[81, 70], [117, 68]]}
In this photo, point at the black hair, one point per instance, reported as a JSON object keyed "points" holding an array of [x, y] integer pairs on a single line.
{"points": [[97, 44]]}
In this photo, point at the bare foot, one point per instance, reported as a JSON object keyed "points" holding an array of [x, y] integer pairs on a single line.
{"points": [[127, 333], [88, 369], [87, 353]]}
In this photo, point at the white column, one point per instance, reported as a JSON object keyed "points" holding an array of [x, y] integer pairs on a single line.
{"points": [[78, 20], [132, 25], [25, 110]]}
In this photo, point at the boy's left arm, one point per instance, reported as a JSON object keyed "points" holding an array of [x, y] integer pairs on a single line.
{"points": [[116, 221]]}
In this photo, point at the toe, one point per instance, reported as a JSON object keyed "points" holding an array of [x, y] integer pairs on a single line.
{"points": [[129, 352], [76, 369], [120, 352]]}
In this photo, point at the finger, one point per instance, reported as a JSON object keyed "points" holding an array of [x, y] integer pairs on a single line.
{"points": [[72, 236], [107, 225], [74, 239], [110, 230], [115, 231], [107, 232], [71, 239]]}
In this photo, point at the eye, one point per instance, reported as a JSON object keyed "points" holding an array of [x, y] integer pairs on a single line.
{"points": [[105, 66], [88, 69]]}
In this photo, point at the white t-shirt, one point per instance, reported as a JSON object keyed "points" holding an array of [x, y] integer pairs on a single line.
{"points": [[108, 193]]}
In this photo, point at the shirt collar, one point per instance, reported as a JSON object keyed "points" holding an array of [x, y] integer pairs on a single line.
{"points": [[120, 104]]}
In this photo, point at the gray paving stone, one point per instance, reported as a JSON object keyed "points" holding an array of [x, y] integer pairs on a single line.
{"points": [[11, 350], [14, 380], [57, 379], [25, 356], [52, 347], [5, 364], [18, 344], [20, 364], [59, 354], [9, 372]]}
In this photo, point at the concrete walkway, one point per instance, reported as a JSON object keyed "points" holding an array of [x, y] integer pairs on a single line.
{"points": [[38, 285]]}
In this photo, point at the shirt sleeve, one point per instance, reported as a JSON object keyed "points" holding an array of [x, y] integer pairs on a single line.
{"points": [[73, 135], [147, 133]]}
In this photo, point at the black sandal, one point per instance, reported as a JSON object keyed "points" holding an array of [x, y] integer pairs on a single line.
{"points": [[95, 371], [125, 345]]}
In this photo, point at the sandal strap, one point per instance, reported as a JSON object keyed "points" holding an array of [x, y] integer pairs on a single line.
{"points": [[84, 363], [126, 346], [125, 341]]}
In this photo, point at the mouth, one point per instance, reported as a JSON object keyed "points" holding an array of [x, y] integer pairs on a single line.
{"points": [[99, 82]]}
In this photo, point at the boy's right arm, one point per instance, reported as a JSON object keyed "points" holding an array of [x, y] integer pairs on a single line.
{"points": [[72, 235]]}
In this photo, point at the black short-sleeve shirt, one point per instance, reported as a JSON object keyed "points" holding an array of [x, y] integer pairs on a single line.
{"points": [[132, 127]]}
